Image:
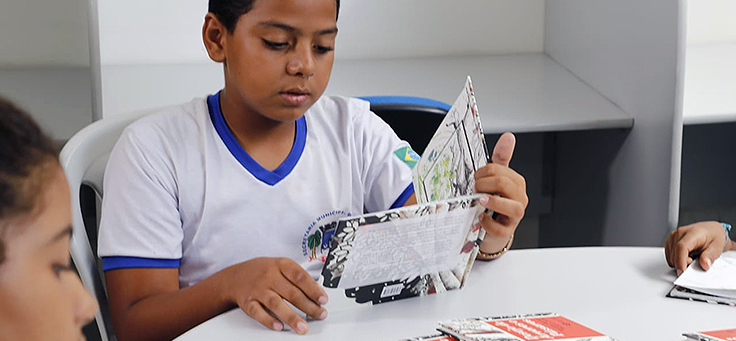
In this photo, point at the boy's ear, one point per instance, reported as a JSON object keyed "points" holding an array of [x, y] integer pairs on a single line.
{"points": [[213, 35]]}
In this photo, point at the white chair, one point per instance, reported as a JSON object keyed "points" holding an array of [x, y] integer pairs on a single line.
{"points": [[84, 158]]}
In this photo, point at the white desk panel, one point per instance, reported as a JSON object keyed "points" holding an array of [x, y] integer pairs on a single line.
{"points": [[519, 93], [710, 84], [619, 291]]}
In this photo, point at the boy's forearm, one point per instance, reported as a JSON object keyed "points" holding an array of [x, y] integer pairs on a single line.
{"points": [[731, 245], [168, 315]]}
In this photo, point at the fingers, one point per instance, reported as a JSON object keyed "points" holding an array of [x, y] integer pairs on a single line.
{"points": [[702, 240], [509, 199], [504, 149], [302, 291], [264, 285], [710, 254], [269, 309], [276, 304], [256, 311], [688, 242], [509, 212], [301, 278], [504, 186], [497, 170], [494, 228], [668, 249]]}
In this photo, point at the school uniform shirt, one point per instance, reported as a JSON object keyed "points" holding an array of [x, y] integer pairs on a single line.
{"points": [[180, 191]]}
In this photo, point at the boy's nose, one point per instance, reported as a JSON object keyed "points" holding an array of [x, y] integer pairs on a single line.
{"points": [[302, 63]]}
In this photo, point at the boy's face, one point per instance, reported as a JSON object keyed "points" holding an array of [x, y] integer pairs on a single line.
{"points": [[279, 57]]}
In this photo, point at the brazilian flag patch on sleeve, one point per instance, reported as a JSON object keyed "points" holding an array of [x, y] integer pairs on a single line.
{"points": [[409, 156]]}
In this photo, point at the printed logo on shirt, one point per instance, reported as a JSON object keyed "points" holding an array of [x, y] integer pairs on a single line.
{"points": [[316, 240], [409, 156]]}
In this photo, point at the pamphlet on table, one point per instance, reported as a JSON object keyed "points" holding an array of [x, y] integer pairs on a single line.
{"points": [[546, 326], [432, 337], [713, 335], [422, 249], [717, 285]]}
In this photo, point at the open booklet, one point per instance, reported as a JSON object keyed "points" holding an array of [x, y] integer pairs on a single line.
{"points": [[432, 337], [713, 335], [717, 285], [421, 249], [546, 326]]}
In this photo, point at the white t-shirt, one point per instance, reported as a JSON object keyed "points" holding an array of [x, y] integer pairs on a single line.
{"points": [[180, 191]]}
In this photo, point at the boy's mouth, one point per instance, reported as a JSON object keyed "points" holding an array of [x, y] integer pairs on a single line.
{"points": [[294, 96]]}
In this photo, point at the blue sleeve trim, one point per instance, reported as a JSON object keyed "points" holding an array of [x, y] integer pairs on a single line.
{"points": [[405, 195], [427, 102], [112, 263]]}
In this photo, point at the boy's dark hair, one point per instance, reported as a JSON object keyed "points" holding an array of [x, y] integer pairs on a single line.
{"points": [[229, 11], [25, 156]]}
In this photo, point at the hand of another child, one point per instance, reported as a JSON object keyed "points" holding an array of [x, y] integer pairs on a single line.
{"points": [[260, 287], [706, 240], [507, 199]]}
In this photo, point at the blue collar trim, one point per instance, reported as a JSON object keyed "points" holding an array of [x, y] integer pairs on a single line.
{"points": [[269, 177]]}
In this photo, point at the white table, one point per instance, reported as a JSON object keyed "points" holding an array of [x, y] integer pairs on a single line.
{"points": [[619, 291]]}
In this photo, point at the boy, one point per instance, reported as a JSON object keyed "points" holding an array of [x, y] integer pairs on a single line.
{"points": [[216, 204]]}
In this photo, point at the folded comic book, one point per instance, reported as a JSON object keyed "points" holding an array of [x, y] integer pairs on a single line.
{"points": [[546, 326], [421, 249], [717, 285], [457, 149], [405, 252]]}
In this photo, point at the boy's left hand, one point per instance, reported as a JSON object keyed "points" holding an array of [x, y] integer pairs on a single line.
{"points": [[507, 195]]}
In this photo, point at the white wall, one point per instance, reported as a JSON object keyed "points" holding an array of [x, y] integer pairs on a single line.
{"points": [[151, 52], [711, 22], [169, 31], [43, 32], [151, 32], [44, 62], [418, 28]]}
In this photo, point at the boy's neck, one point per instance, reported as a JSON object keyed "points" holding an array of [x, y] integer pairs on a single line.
{"points": [[267, 141]]}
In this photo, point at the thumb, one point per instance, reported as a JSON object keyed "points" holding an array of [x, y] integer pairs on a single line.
{"points": [[709, 255], [504, 149]]}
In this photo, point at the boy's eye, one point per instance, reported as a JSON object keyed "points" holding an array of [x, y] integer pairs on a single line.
{"points": [[275, 45], [323, 49]]}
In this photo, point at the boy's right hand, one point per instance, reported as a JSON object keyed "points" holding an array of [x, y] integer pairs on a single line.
{"points": [[705, 240], [260, 286]]}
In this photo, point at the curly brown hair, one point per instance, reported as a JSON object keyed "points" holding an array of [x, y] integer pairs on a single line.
{"points": [[26, 157]]}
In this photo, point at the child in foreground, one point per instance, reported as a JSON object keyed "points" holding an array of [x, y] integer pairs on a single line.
{"points": [[212, 205], [41, 297]]}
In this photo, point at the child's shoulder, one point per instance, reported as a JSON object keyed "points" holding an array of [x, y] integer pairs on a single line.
{"points": [[167, 127], [346, 107], [350, 105], [172, 121]]}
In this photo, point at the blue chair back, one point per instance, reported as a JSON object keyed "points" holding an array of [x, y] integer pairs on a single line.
{"points": [[414, 119]]}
